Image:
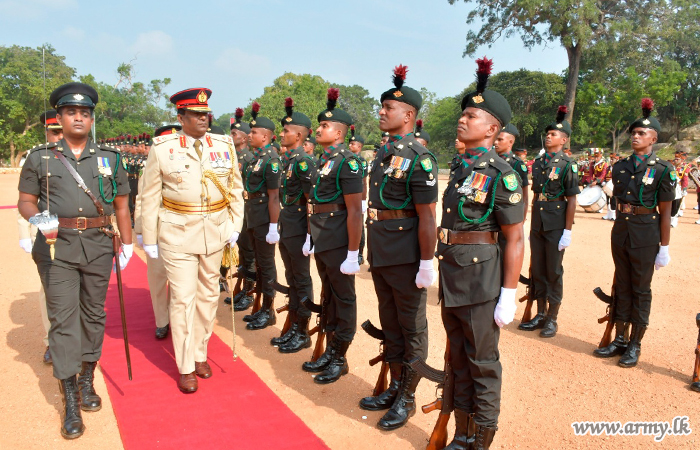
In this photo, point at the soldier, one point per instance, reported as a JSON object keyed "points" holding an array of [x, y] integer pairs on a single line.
{"points": [[262, 210], [335, 222], [385, 138], [611, 203], [155, 270], [554, 188], [402, 234], [27, 231], [457, 158], [355, 145], [76, 277], [246, 254], [682, 169], [644, 186], [504, 147], [421, 135], [191, 208], [298, 171], [478, 278], [310, 144], [133, 171]]}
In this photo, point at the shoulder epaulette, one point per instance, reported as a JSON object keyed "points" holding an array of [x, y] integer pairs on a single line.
{"points": [[166, 137], [108, 148], [222, 138]]}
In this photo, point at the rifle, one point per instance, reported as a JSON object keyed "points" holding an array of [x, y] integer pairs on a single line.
{"points": [[239, 281], [258, 293], [116, 247], [609, 317], [282, 289], [527, 315], [382, 382], [696, 369], [320, 327], [446, 381]]}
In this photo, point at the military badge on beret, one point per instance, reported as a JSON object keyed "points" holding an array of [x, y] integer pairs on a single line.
{"points": [[511, 182], [329, 114], [427, 164], [398, 94], [515, 198], [478, 99], [353, 165]]}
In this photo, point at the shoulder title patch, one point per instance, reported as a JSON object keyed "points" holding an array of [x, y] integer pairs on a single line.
{"points": [[674, 175], [303, 166], [427, 164], [574, 168], [511, 181], [353, 164], [275, 167]]}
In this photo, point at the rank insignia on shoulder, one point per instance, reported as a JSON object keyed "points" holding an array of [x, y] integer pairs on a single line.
{"points": [[353, 165], [574, 168], [303, 166], [427, 164], [515, 198], [275, 167], [511, 182], [674, 175]]}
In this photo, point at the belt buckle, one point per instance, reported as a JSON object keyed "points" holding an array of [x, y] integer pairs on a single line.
{"points": [[372, 213], [627, 208], [77, 223], [443, 236], [543, 198], [309, 208]]}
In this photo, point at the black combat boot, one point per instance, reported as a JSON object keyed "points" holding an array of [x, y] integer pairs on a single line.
{"points": [[266, 316], [89, 400], [72, 419], [537, 322], [322, 362], [634, 348], [550, 321], [616, 347], [385, 399], [301, 338], [484, 437], [279, 340], [245, 297], [337, 366], [404, 406], [465, 431]]}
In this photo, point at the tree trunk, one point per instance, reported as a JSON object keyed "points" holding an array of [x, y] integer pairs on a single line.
{"points": [[12, 153], [574, 54]]}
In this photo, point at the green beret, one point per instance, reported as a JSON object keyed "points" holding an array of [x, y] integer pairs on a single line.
{"points": [[333, 114], [311, 139], [293, 117], [420, 133], [215, 129], [646, 121], [511, 129], [356, 137], [560, 124], [490, 101], [385, 134], [260, 122], [74, 94], [236, 123], [402, 93]]}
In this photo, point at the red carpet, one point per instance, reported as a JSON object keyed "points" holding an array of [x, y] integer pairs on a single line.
{"points": [[232, 409]]}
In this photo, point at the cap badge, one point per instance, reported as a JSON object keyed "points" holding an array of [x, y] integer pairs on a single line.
{"points": [[202, 97], [78, 97], [329, 114], [560, 125], [398, 94], [646, 122], [238, 125], [252, 122], [478, 99], [288, 119]]}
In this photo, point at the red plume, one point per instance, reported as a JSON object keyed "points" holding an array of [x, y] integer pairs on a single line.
{"points": [[561, 113], [239, 114], [274, 137], [419, 123], [289, 106], [333, 94], [352, 127], [399, 77], [255, 109], [484, 66], [647, 107]]}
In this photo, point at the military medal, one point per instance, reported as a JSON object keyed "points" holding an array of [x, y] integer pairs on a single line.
{"points": [[649, 176], [554, 173], [103, 166], [327, 167], [257, 165], [475, 187]]}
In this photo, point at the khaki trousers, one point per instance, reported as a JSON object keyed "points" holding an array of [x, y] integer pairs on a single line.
{"points": [[194, 297], [160, 295]]}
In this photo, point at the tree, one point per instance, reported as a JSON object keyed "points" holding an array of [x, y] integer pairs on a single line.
{"points": [[576, 24], [23, 96]]}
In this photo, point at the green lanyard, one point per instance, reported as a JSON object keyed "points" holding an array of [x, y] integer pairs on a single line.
{"points": [[544, 186], [114, 183], [337, 185], [488, 211], [247, 178], [284, 187], [656, 192], [409, 196]]}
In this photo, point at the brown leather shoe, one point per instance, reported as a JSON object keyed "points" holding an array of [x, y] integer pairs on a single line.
{"points": [[187, 383], [202, 369], [47, 356]]}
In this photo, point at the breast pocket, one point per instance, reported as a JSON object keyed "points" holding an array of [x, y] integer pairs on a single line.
{"points": [[179, 178], [172, 228]]}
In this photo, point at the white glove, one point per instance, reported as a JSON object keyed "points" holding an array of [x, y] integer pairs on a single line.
{"points": [[273, 236], [125, 255], [26, 245], [505, 309], [364, 206], [662, 258], [139, 239], [151, 251], [426, 275], [351, 265], [307, 249], [565, 240], [234, 237]]}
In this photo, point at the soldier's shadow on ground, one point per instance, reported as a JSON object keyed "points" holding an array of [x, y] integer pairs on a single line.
{"points": [[287, 368], [26, 340]]}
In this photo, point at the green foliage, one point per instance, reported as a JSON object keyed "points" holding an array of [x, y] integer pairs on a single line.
{"points": [[23, 97]]}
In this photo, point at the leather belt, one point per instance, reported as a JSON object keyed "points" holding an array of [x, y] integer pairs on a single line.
{"points": [[250, 195], [300, 202], [387, 214], [193, 208], [451, 237], [626, 208], [83, 223], [312, 208], [544, 198]]}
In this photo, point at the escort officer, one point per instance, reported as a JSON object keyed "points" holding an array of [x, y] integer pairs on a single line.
{"points": [[75, 271], [262, 210], [355, 144], [504, 147], [478, 278], [335, 224], [554, 189], [246, 254], [299, 168], [644, 186], [155, 268], [401, 228], [191, 208], [27, 231]]}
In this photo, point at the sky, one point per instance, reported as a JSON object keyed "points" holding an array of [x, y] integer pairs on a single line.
{"points": [[238, 47]]}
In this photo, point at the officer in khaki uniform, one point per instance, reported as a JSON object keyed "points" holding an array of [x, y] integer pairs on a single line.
{"points": [[27, 231], [192, 207], [157, 276], [401, 231], [554, 189]]}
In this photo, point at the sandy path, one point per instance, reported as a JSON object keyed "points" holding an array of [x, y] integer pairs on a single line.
{"points": [[548, 384]]}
